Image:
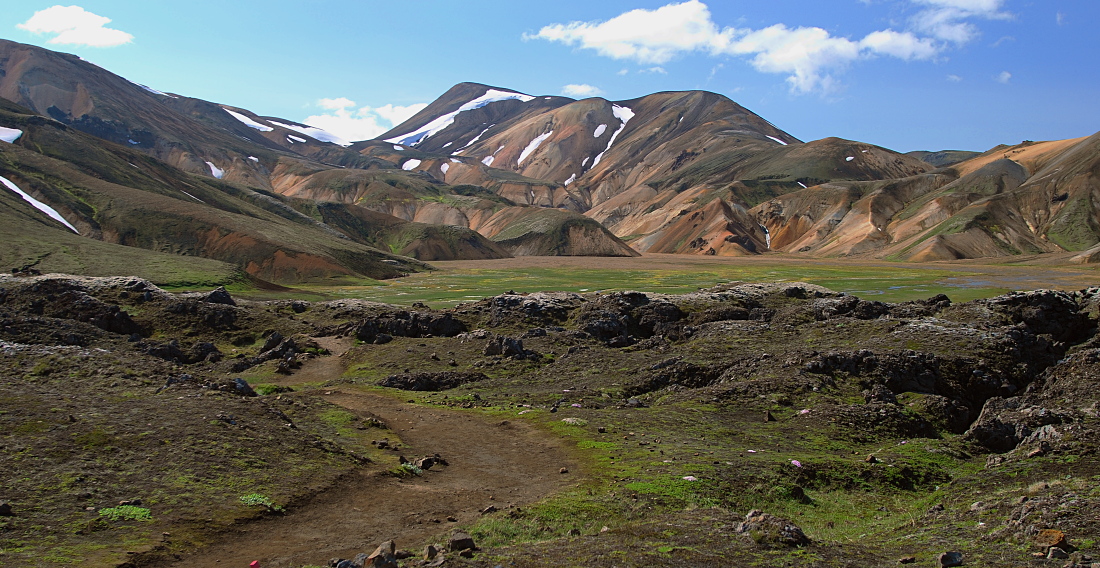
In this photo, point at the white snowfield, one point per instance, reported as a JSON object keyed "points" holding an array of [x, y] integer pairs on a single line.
{"points": [[849, 158], [444, 167], [38, 204], [534, 145], [622, 113], [248, 121], [215, 170], [398, 148], [599, 131], [313, 132], [10, 135], [571, 179], [292, 139], [778, 140], [431, 128], [410, 165], [254, 158], [488, 160]]}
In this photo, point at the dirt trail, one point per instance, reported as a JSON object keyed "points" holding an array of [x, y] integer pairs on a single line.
{"points": [[491, 463]]}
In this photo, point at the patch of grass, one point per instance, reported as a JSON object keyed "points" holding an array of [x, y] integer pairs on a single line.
{"points": [[126, 513], [337, 418], [888, 282], [254, 499], [682, 492]]}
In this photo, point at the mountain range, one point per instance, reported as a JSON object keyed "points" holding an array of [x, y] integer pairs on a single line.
{"points": [[102, 173]]}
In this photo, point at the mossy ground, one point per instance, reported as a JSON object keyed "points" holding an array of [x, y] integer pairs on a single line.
{"points": [[662, 481]]}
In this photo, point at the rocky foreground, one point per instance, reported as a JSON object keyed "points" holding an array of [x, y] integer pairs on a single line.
{"points": [[770, 424]]}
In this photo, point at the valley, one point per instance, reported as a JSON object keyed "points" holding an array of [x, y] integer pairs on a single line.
{"points": [[534, 330]]}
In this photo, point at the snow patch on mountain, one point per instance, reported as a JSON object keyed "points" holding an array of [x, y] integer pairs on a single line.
{"points": [[10, 135], [248, 121], [849, 158], [254, 158], [585, 162], [471, 142], [398, 148], [292, 139], [444, 167], [534, 145], [439, 123], [410, 165], [778, 140], [622, 113], [216, 171], [488, 160], [38, 204], [599, 131], [315, 133], [571, 179], [152, 90], [192, 196]]}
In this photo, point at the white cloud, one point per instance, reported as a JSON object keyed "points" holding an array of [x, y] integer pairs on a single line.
{"points": [[395, 114], [623, 72], [75, 26], [901, 45], [807, 55], [362, 124], [954, 78], [581, 91], [1004, 77], [658, 70], [947, 20], [646, 36], [335, 104], [1060, 19]]}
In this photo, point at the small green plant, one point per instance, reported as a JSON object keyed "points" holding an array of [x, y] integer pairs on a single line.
{"points": [[266, 389], [406, 470], [127, 513], [254, 499]]}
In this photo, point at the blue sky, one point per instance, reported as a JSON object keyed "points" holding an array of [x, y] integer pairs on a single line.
{"points": [[904, 74]]}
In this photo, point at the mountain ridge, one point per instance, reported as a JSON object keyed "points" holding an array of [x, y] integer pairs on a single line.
{"points": [[689, 172]]}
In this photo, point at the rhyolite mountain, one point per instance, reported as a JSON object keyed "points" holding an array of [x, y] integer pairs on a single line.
{"points": [[693, 172], [487, 172]]}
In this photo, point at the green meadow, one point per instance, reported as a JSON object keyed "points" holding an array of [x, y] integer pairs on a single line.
{"points": [[457, 282]]}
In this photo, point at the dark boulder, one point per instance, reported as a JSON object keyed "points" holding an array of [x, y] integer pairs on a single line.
{"points": [[768, 529], [220, 296], [430, 381]]}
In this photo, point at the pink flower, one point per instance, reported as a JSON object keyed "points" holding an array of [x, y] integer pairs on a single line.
{"points": [[575, 405], [690, 478], [804, 411], [796, 463]]}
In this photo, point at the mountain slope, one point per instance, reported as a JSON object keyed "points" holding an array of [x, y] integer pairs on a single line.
{"points": [[485, 172], [122, 196]]}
